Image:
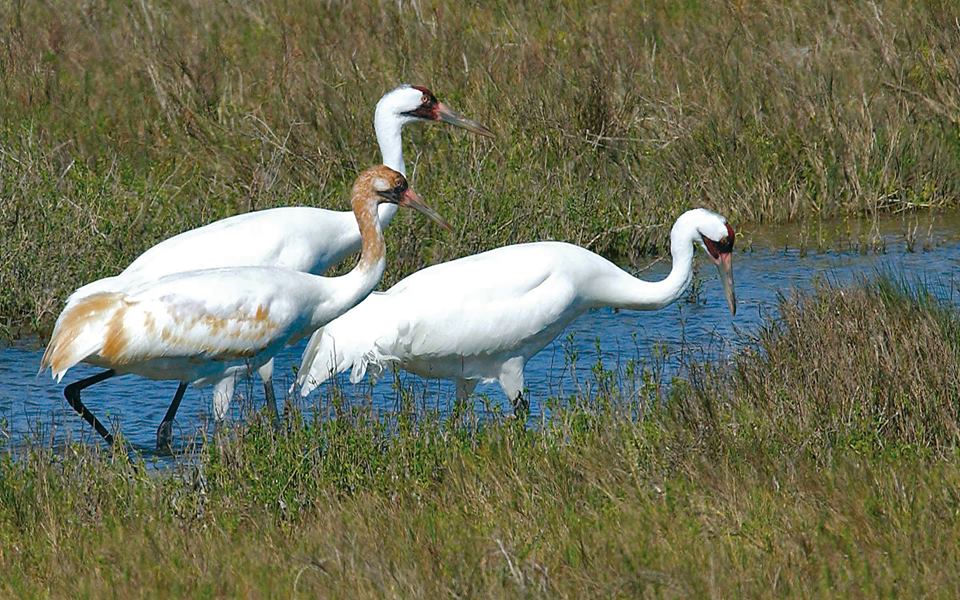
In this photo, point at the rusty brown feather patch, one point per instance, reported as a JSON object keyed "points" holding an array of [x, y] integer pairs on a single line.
{"points": [[364, 202], [71, 325], [259, 326], [115, 339], [115, 348]]}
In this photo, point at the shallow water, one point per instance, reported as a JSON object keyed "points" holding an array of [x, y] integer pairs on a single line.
{"points": [[32, 408]]}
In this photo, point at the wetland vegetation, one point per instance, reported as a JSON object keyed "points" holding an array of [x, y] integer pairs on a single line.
{"points": [[820, 460], [124, 123], [775, 474]]}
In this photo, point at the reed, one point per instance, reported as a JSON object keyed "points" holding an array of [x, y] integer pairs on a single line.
{"points": [[122, 123], [736, 485]]}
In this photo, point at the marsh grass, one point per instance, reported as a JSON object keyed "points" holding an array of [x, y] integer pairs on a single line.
{"points": [[124, 123], [872, 365], [822, 463]]}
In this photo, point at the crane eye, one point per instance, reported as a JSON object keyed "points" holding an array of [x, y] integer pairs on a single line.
{"points": [[425, 99]]}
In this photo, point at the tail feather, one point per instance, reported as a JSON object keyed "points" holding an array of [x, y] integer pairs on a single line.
{"points": [[80, 332], [348, 342], [100, 286], [324, 358], [352, 341]]}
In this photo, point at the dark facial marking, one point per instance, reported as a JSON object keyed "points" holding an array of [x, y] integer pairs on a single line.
{"points": [[428, 105], [731, 236], [393, 195], [425, 92], [724, 246]]}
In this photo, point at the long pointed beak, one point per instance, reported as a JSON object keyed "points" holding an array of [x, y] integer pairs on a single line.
{"points": [[725, 267], [447, 115], [411, 199]]}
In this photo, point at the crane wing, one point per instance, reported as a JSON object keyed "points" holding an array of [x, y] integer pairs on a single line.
{"points": [[344, 343], [484, 304], [214, 317]]}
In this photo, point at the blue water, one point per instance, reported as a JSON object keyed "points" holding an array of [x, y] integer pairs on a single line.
{"points": [[32, 408]]}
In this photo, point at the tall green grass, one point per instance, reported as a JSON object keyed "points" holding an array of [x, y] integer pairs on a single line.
{"points": [[874, 366], [736, 485], [122, 123]]}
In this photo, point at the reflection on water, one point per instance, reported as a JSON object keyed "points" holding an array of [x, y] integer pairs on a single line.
{"points": [[33, 408]]}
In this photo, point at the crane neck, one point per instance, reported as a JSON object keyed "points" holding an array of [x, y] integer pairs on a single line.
{"points": [[388, 127], [364, 277], [372, 245], [631, 293]]}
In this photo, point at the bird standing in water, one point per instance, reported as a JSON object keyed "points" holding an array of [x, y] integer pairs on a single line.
{"points": [[209, 326], [306, 239], [482, 317]]}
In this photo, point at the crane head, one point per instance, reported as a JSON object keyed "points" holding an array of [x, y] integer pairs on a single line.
{"points": [[419, 103], [391, 187], [718, 242]]}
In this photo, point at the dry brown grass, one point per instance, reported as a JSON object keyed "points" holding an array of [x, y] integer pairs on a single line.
{"points": [[123, 123], [739, 485], [851, 367]]}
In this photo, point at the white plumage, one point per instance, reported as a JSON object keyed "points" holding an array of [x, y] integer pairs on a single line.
{"points": [[305, 239], [211, 325], [300, 238], [202, 325], [480, 318]]}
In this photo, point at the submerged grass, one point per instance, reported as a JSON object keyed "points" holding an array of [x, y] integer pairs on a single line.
{"points": [[123, 123], [823, 463]]}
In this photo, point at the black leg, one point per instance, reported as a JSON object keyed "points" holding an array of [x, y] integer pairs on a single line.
{"points": [[521, 408], [271, 399], [165, 431], [72, 394]]}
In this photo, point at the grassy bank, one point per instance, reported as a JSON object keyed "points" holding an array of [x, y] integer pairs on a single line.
{"points": [[779, 473], [123, 123]]}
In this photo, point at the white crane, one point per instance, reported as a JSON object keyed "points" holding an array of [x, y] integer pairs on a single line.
{"points": [[209, 326], [482, 317], [304, 239]]}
